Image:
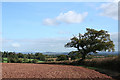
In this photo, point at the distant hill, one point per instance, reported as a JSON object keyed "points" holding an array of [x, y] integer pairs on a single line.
{"points": [[47, 53], [66, 53], [107, 53], [54, 53]]}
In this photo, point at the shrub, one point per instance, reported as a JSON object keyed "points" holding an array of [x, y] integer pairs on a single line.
{"points": [[50, 60], [20, 61], [12, 60], [62, 57], [25, 60], [89, 57], [30, 61], [34, 61]]}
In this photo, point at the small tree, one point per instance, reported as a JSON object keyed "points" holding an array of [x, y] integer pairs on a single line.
{"points": [[74, 55], [12, 60], [35, 61], [25, 60], [92, 41], [40, 56], [62, 57], [20, 60]]}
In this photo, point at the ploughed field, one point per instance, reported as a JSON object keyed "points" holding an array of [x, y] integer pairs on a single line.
{"points": [[24, 70]]}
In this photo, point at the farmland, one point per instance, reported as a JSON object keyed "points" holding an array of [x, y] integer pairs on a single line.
{"points": [[25, 70]]}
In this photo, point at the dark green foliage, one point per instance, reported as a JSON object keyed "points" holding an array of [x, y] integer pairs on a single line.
{"points": [[34, 61], [92, 41], [74, 55], [12, 60], [20, 55], [1, 59], [20, 61], [89, 56], [50, 60], [39, 56], [4, 54], [30, 61], [110, 64], [25, 60], [13, 57], [62, 57], [31, 56]]}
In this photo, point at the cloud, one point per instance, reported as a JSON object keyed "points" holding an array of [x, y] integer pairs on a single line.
{"points": [[68, 18], [71, 17], [15, 44], [115, 0], [109, 10], [114, 38], [50, 22]]}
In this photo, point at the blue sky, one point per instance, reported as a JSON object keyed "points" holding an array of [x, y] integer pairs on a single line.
{"points": [[47, 26]]}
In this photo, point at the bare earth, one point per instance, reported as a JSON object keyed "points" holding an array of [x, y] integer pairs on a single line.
{"points": [[24, 70]]}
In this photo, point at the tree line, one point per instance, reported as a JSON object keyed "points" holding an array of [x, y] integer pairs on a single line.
{"points": [[13, 57]]}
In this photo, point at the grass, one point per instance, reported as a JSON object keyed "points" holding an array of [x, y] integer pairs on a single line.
{"points": [[41, 61], [5, 59]]}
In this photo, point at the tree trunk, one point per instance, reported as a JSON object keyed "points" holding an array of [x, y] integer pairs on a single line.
{"points": [[83, 57]]}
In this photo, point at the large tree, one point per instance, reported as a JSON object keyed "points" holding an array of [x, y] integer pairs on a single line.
{"points": [[92, 41]]}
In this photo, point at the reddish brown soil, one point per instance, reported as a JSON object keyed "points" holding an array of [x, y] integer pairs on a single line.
{"points": [[19, 70]]}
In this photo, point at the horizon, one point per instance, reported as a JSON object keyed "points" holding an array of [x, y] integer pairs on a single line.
{"points": [[48, 26], [63, 52]]}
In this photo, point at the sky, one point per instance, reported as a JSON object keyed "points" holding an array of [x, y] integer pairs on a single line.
{"points": [[48, 26]]}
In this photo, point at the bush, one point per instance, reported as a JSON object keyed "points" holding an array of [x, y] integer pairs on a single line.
{"points": [[74, 55], [35, 61], [20, 61], [50, 60], [25, 60], [89, 56], [30, 61], [12, 60], [40, 56], [62, 57]]}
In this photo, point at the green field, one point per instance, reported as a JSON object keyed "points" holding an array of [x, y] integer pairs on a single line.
{"points": [[4, 60]]}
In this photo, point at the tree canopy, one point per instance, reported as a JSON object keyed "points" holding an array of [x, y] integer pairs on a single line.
{"points": [[92, 41]]}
